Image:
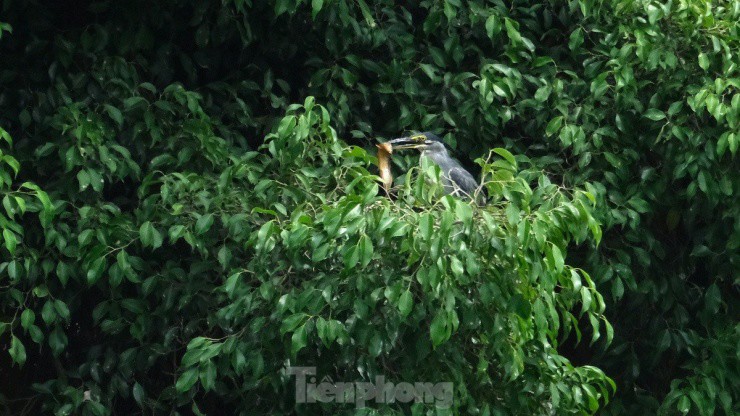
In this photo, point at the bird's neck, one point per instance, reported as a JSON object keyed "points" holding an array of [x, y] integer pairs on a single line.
{"points": [[436, 155]]}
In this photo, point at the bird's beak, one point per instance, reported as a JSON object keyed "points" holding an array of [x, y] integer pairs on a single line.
{"points": [[410, 142]]}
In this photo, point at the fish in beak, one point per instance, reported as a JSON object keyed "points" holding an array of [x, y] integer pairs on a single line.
{"points": [[418, 141]]}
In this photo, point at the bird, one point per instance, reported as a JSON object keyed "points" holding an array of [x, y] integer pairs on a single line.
{"points": [[456, 180]]}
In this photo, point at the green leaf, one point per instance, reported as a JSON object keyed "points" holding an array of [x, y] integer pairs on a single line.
{"points": [[85, 237], [47, 312], [17, 351], [291, 322], [96, 269], [367, 14], [299, 339], [609, 332], [457, 266], [61, 309], [684, 404], [132, 102], [67, 409], [57, 340], [595, 335], [506, 155], [138, 393], [365, 250], [585, 299], [703, 61], [557, 257], [149, 235], [713, 298], [27, 318], [654, 114], [187, 380], [14, 270], [438, 330], [542, 94], [316, 6], [576, 39], [208, 373], [351, 256], [702, 181], [376, 346], [3, 133], [286, 127], [405, 303], [10, 241], [204, 223], [123, 261], [733, 140], [264, 233], [115, 114], [463, 212], [13, 163], [323, 330], [639, 204], [36, 335], [554, 125], [426, 226], [493, 26], [83, 178], [512, 31], [231, 282], [512, 214], [654, 13]]}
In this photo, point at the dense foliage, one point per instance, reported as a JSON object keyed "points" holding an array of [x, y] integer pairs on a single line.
{"points": [[190, 204]]}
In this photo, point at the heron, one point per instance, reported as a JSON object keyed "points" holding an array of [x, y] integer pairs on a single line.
{"points": [[456, 180]]}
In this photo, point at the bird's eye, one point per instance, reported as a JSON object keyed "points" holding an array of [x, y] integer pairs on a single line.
{"points": [[419, 138]]}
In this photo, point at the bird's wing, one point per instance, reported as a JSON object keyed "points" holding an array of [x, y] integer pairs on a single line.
{"points": [[463, 180]]}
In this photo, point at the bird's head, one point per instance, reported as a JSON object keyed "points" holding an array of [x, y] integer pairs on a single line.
{"points": [[422, 141]]}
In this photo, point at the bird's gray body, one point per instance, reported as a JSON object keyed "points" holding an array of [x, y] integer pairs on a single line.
{"points": [[456, 180]]}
